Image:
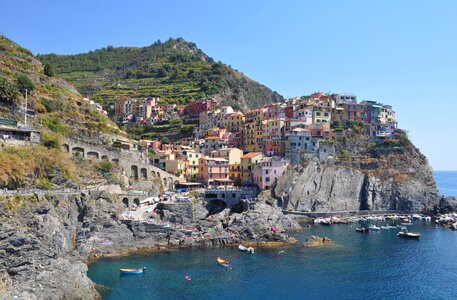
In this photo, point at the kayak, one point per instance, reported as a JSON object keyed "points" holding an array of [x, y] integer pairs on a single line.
{"points": [[222, 262]]}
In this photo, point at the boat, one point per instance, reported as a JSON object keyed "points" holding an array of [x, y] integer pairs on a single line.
{"points": [[406, 224], [374, 227], [132, 270], [222, 262], [363, 230], [251, 250], [386, 227], [242, 248], [411, 235], [391, 227], [326, 222]]}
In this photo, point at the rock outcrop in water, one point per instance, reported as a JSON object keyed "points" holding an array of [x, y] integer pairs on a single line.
{"points": [[45, 241]]}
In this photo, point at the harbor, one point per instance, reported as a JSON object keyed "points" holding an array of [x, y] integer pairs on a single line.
{"points": [[373, 266]]}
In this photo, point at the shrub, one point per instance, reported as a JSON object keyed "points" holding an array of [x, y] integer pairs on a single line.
{"points": [[50, 139], [24, 83], [49, 70], [105, 166]]}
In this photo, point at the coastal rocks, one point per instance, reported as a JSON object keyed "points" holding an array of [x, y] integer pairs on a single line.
{"points": [[321, 188], [317, 241]]}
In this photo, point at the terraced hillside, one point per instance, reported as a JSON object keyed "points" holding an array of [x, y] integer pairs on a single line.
{"points": [[52, 102], [176, 71]]}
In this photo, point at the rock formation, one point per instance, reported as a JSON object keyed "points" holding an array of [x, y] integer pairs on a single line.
{"points": [[45, 241]]}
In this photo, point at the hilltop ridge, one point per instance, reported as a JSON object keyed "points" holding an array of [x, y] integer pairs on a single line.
{"points": [[176, 70]]}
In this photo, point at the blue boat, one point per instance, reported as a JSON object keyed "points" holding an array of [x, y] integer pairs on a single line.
{"points": [[132, 270]]}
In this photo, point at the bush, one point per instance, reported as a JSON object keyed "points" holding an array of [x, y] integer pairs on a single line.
{"points": [[24, 83], [49, 70], [105, 166], [50, 139]]}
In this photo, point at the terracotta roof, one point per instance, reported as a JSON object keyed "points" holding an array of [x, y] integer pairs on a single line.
{"points": [[252, 154]]}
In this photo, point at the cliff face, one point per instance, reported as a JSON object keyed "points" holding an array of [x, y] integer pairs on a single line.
{"points": [[395, 183]]}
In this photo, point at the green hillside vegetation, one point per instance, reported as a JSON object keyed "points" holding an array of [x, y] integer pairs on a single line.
{"points": [[55, 103], [176, 71]]}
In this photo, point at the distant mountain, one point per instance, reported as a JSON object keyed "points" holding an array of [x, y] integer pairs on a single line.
{"points": [[176, 71], [52, 102]]}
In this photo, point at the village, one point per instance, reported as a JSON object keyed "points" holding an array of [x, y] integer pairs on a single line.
{"points": [[232, 148]]}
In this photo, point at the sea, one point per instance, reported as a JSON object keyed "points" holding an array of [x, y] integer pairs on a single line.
{"points": [[379, 265]]}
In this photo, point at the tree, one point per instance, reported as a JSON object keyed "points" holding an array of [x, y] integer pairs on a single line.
{"points": [[49, 70], [162, 72]]}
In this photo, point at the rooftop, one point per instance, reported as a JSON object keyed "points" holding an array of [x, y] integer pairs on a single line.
{"points": [[252, 154]]}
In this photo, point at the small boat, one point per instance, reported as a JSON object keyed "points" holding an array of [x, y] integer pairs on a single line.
{"points": [[406, 224], [363, 230], [326, 222], [132, 270], [411, 235], [251, 250], [374, 227], [242, 248], [385, 227], [391, 227], [222, 262]]}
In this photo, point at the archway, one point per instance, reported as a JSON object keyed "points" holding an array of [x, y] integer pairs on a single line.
{"points": [[136, 201], [216, 206], [105, 157], [134, 172], [92, 155], [115, 160], [66, 147], [77, 151], [144, 173], [125, 201]]}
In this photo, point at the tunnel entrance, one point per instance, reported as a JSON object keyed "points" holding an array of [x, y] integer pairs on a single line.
{"points": [[215, 206]]}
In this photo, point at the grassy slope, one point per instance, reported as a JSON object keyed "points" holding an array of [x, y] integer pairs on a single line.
{"points": [[176, 71], [54, 100]]}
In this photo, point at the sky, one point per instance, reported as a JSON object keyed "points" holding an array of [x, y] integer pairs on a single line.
{"points": [[398, 52]]}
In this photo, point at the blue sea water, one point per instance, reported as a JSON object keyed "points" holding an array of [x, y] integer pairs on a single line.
{"points": [[379, 265], [447, 182]]}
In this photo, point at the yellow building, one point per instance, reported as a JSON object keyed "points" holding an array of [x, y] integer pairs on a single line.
{"points": [[249, 138], [247, 163], [193, 157], [322, 117]]}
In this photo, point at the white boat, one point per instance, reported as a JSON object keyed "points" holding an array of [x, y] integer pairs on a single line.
{"points": [[242, 248], [374, 227], [385, 227], [391, 227]]}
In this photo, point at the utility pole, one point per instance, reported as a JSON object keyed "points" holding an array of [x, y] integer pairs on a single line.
{"points": [[25, 110]]}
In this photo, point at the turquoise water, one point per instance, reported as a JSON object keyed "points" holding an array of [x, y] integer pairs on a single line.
{"points": [[447, 182], [379, 265]]}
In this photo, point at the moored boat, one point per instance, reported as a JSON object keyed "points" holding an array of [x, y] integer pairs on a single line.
{"points": [[132, 270], [363, 230], [242, 248], [374, 227], [385, 227], [406, 224], [411, 235], [222, 262]]}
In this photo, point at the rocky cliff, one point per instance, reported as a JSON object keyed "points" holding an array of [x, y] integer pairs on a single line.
{"points": [[392, 181], [45, 241]]}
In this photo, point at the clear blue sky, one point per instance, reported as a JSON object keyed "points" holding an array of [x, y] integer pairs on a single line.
{"points": [[400, 52]]}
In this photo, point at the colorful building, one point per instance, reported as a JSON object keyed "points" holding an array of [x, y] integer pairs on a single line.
{"points": [[267, 170], [247, 163], [214, 171]]}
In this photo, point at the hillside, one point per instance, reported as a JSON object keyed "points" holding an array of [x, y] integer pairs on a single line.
{"points": [[176, 71], [52, 102]]}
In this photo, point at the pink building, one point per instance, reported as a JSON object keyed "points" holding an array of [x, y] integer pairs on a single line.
{"points": [[267, 170], [213, 171]]}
